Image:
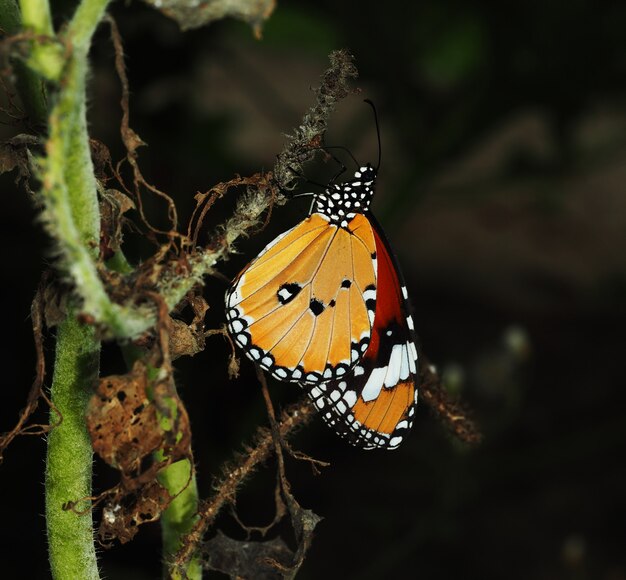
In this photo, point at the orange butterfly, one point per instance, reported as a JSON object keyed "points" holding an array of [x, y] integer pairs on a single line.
{"points": [[324, 305]]}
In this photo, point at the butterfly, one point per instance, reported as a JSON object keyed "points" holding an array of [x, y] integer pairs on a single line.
{"points": [[324, 305]]}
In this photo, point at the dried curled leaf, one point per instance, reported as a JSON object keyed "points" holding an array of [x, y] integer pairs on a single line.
{"points": [[124, 512], [196, 13], [122, 422], [184, 339], [244, 559], [113, 205], [138, 425], [14, 154]]}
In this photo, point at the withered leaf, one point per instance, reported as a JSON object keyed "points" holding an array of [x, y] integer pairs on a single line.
{"points": [[121, 421], [195, 14], [14, 154], [184, 340], [113, 205], [126, 426], [243, 559], [125, 512], [138, 425]]}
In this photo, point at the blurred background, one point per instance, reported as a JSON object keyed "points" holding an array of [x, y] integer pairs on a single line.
{"points": [[503, 191]]}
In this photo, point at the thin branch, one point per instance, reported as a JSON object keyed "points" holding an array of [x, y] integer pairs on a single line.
{"points": [[36, 391], [447, 408]]}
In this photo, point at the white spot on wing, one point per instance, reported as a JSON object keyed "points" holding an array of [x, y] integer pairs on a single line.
{"points": [[369, 294], [374, 384], [404, 366], [412, 366], [350, 398], [395, 363], [284, 294], [236, 325], [254, 353]]}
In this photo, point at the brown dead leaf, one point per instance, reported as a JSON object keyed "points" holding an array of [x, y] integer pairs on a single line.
{"points": [[125, 512], [138, 425], [193, 15], [122, 422], [14, 154], [101, 158], [113, 205], [244, 559], [184, 339]]}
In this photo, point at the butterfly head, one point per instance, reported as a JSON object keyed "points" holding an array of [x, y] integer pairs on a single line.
{"points": [[340, 202]]}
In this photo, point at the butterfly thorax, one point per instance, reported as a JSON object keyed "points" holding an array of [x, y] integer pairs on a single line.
{"points": [[340, 202]]}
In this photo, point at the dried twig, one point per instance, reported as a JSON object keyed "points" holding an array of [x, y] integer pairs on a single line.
{"points": [[36, 391], [448, 410], [132, 142]]}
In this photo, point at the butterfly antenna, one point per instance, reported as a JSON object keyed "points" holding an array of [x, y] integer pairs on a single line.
{"points": [[377, 129], [301, 176], [343, 149]]}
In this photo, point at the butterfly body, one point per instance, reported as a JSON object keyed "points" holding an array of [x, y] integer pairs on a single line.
{"points": [[324, 305]]}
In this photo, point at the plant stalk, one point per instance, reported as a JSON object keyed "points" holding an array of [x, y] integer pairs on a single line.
{"points": [[72, 217], [180, 517], [69, 458]]}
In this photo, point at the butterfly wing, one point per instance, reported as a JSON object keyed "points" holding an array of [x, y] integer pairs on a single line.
{"points": [[374, 405], [304, 308]]}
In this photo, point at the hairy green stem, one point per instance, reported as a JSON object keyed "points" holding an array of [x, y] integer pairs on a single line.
{"points": [[69, 457], [181, 515], [71, 213]]}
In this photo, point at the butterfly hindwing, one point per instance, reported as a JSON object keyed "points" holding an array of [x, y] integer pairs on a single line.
{"points": [[304, 308], [374, 405]]}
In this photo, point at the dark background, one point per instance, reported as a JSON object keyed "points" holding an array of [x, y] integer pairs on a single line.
{"points": [[503, 191]]}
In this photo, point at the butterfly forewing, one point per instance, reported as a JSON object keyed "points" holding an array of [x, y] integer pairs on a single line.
{"points": [[373, 406], [303, 309]]}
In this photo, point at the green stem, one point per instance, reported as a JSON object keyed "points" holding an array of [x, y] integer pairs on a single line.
{"points": [[46, 55], [69, 458], [29, 85], [181, 515], [71, 210]]}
